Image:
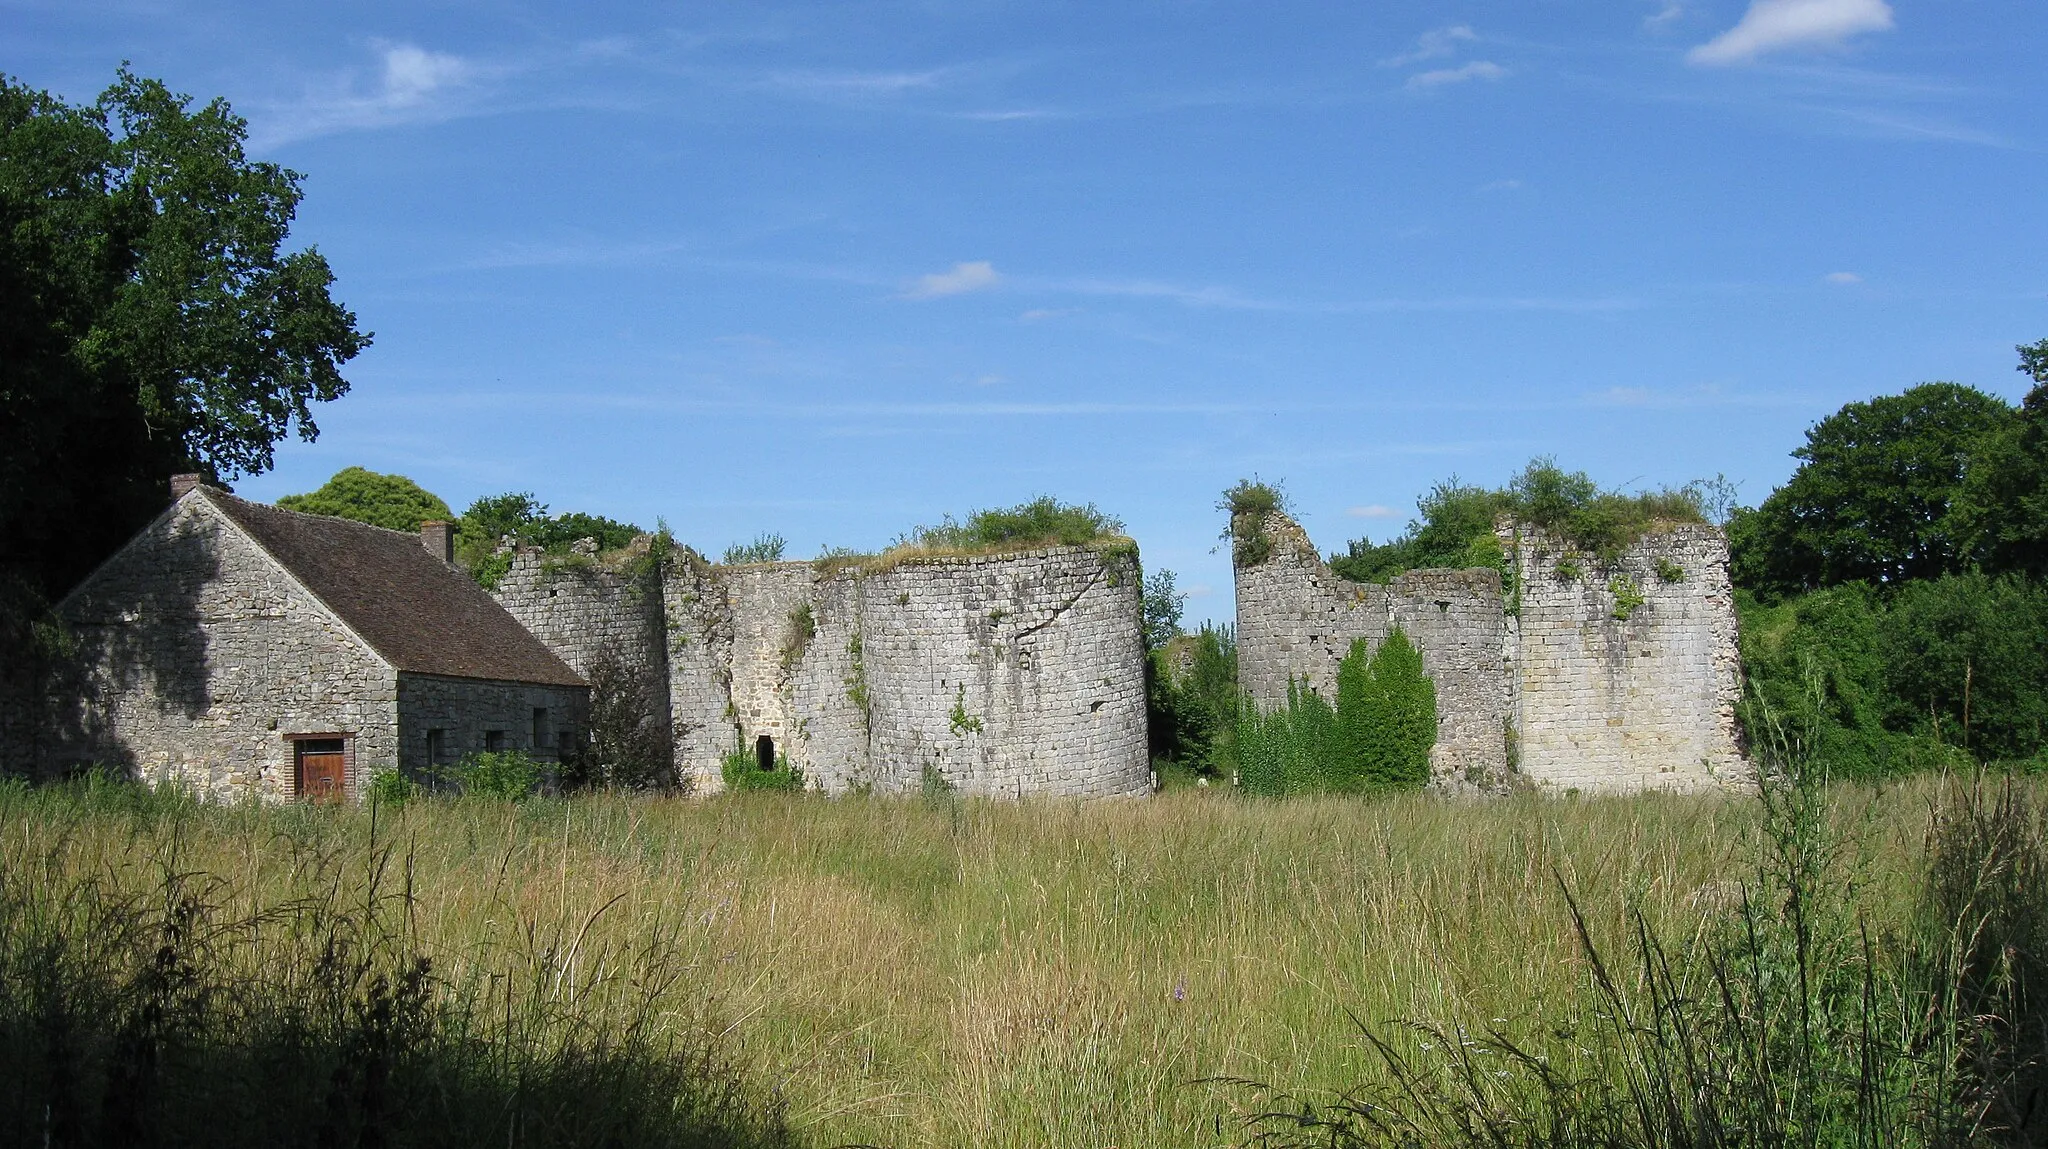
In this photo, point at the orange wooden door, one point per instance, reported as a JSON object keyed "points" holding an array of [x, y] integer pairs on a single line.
{"points": [[322, 770]]}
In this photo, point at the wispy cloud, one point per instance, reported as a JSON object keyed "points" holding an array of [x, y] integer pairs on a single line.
{"points": [[979, 275], [410, 84], [855, 83], [1501, 185], [1702, 395], [1776, 25], [1669, 14], [1843, 278], [1476, 70], [1373, 511], [1432, 45]]}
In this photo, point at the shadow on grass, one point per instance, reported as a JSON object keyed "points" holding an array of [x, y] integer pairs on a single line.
{"points": [[194, 1013]]}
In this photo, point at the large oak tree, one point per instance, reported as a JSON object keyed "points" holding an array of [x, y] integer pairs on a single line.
{"points": [[151, 320]]}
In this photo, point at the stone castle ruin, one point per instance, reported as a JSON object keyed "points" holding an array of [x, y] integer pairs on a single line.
{"points": [[1568, 675], [1006, 675], [248, 649]]}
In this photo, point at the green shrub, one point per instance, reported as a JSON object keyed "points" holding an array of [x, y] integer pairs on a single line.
{"points": [[1939, 672], [766, 548], [490, 520], [742, 772], [390, 788], [1191, 696], [507, 774], [1377, 737]]}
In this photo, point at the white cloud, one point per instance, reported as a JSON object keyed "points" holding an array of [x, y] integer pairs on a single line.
{"points": [[1476, 70], [1624, 397], [979, 275], [856, 83], [1041, 314], [1844, 278], [1501, 185], [412, 73], [1433, 45], [412, 85], [1665, 16], [1375, 511], [1771, 25]]}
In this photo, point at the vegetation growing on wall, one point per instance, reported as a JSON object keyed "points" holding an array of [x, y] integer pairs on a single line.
{"points": [[1042, 522], [1377, 736], [1248, 503], [518, 516], [1455, 526], [767, 547]]}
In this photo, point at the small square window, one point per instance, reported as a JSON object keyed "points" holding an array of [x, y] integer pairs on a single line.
{"points": [[494, 739]]}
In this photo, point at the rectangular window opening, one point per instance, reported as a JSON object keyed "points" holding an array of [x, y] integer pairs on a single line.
{"points": [[540, 727], [494, 739]]}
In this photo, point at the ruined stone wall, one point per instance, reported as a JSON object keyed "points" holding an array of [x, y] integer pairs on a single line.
{"points": [[1296, 620], [587, 607], [700, 636], [467, 710], [199, 657], [1008, 675], [1543, 685], [1005, 675], [1607, 703]]}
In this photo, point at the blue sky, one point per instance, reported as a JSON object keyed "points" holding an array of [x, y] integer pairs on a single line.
{"points": [[835, 270]]}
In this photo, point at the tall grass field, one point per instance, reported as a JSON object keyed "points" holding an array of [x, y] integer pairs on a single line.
{"points": [[1195, 969]]}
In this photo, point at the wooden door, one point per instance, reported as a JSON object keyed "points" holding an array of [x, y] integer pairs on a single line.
{"points": [[322, 770]]}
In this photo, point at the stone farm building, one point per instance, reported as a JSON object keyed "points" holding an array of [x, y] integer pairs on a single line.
{"points": [[243, 649]]}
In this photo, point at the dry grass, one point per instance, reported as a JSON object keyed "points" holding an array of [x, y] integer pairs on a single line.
{"points": [[1018, 974]]}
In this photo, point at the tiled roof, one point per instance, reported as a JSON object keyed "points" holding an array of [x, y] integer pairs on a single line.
{"points": [[417, 612]]}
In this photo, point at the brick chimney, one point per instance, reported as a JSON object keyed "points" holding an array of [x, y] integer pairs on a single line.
{"points": [[439, 539], [181, 485]]}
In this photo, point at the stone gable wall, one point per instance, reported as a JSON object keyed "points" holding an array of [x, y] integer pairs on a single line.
{"points": [[198, 656], [1543, 686]]}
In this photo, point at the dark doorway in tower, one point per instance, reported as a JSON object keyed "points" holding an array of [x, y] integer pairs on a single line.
{"points": [[764, 752]]}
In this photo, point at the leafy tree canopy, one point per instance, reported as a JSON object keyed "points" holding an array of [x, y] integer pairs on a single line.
{"points": [[2001, 511], [151, 321], [1160, 606], [391, 501], [1871, 499]]}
